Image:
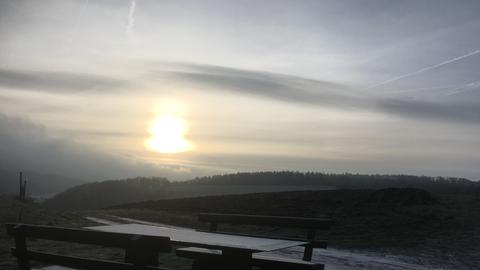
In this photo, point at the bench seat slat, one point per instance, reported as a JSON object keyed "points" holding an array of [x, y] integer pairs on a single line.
{"points": [[258, 259], [54, 267], [83, 236], [141, 252]]}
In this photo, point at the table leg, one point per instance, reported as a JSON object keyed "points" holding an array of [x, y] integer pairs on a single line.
{"points": [[139, 253], [237, 259], [148, 256]]}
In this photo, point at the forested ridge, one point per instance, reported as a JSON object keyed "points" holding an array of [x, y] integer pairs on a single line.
{"points": [[114, 192], [341, 181], [111, 192]]}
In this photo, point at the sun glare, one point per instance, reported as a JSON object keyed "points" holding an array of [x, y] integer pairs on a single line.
{"points": [[168, 132]]}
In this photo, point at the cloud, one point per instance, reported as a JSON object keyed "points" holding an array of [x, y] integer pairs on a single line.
{"points": [[33, 106], [273, 85], [416, 164], [27, 146], [99, 133], [57, 82], [464, 112], [320, 93]]}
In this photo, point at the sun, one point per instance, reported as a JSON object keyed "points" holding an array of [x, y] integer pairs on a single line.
{"points": [[167, 134]]}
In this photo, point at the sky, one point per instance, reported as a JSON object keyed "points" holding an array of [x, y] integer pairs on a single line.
{"points": [[112, 89]]}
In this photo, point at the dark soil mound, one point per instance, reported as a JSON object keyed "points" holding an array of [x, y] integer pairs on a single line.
{"points": [[400, 197]]}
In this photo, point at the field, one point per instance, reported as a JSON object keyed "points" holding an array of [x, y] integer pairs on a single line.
{"points": [[443, 230]]}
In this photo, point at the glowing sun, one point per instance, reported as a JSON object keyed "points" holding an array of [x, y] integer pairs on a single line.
{"points": [[168, 134]]}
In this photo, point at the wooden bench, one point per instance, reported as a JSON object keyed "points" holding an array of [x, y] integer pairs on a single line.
{"points": [[311, 225], [141, 252]]}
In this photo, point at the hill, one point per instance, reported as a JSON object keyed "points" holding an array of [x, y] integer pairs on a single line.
{"points": [[332, 203], [38, 184], [340, 181], [107, 193], [113, 192]]}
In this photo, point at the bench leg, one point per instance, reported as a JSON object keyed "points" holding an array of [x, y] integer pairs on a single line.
{"points": [[307, 254], [148, 256]]}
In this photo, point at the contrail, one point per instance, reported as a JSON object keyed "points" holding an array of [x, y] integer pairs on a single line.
{"points": [[465, 88], [131, 18], [425, 69]]}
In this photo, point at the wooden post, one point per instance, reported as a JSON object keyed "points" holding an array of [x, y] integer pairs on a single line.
{"points": [[21, 196], [20, 185], [24, 191], [21, 248], [307, 254]]}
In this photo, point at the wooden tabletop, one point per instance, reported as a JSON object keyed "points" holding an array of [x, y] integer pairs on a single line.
{"points": [[188, 237]]}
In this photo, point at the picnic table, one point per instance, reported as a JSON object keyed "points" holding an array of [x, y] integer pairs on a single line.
{"points": [[236, 250]]}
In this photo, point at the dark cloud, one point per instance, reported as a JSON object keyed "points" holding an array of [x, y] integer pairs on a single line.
{"points": [[271, 85], [35, 107], [29, 147], [321, 93], [450, 111], [61, 82], [274, 85]]}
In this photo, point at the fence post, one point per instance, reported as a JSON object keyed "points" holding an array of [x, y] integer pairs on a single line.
{"points": [[20, 185], [21, 248]]}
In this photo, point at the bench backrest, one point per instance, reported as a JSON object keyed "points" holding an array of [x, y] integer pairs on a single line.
{"points": [[140, 250], [310, 224]]}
